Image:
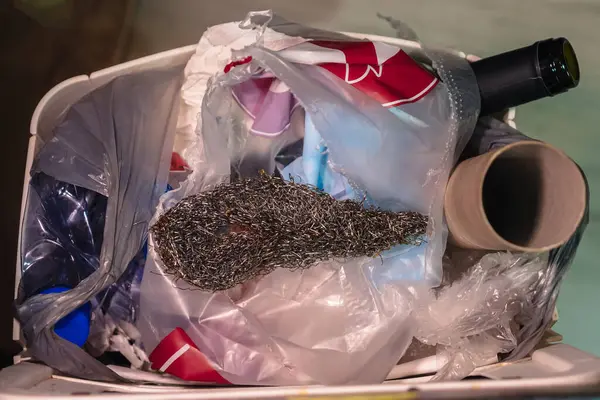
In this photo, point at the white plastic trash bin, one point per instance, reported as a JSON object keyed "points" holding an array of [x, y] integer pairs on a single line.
{"points": [[554, 369]]}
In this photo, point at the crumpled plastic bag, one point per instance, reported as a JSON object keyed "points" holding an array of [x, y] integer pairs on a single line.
{"points": [[476, 317], [340, 321]]}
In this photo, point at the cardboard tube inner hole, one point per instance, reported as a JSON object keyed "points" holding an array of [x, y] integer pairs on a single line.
{"points": [[532, 196]]}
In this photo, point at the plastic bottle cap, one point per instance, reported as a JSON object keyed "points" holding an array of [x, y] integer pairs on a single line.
{"points": [[75, 327]]}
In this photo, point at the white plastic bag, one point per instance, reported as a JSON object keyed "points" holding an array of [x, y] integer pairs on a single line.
{"points": [[339, 321]]}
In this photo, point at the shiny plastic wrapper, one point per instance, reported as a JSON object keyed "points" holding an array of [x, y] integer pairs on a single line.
{"points": [[116, 143], [339, 321]]}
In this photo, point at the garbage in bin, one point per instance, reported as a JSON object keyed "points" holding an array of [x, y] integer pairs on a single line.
{"points": [[313, 108]]}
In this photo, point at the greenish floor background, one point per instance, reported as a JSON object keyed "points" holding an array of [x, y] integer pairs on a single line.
{"points": [[481, 27]]}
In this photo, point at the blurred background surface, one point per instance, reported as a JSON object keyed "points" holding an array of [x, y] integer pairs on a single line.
{"points": [[43, 42]]}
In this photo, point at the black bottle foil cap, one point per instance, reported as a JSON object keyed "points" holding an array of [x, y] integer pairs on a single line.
{"points": [[545, 68], [558, 65]]}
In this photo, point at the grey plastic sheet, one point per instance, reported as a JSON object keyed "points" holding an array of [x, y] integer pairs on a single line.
{"points": [[116, 141]]}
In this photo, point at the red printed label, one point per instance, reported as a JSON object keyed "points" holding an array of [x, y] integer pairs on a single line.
{"points": [[178, 355], [383, 72]]}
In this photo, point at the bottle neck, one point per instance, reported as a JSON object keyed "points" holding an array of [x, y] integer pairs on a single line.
{"points": [[545, 68], [558, 65]]}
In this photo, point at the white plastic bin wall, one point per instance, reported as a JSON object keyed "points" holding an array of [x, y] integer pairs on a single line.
{"points": [[552, 370]]}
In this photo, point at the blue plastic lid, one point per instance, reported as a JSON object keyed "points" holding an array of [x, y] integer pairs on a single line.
{"points": [[75, 327]]}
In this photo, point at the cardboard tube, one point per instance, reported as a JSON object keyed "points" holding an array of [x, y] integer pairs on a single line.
{"points": [[527, 196]]}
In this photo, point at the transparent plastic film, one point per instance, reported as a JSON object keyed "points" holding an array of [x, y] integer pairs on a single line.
{"points": [[477, 316]]}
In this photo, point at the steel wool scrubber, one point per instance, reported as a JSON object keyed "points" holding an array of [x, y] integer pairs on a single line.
{"points": [[238, 231]]}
